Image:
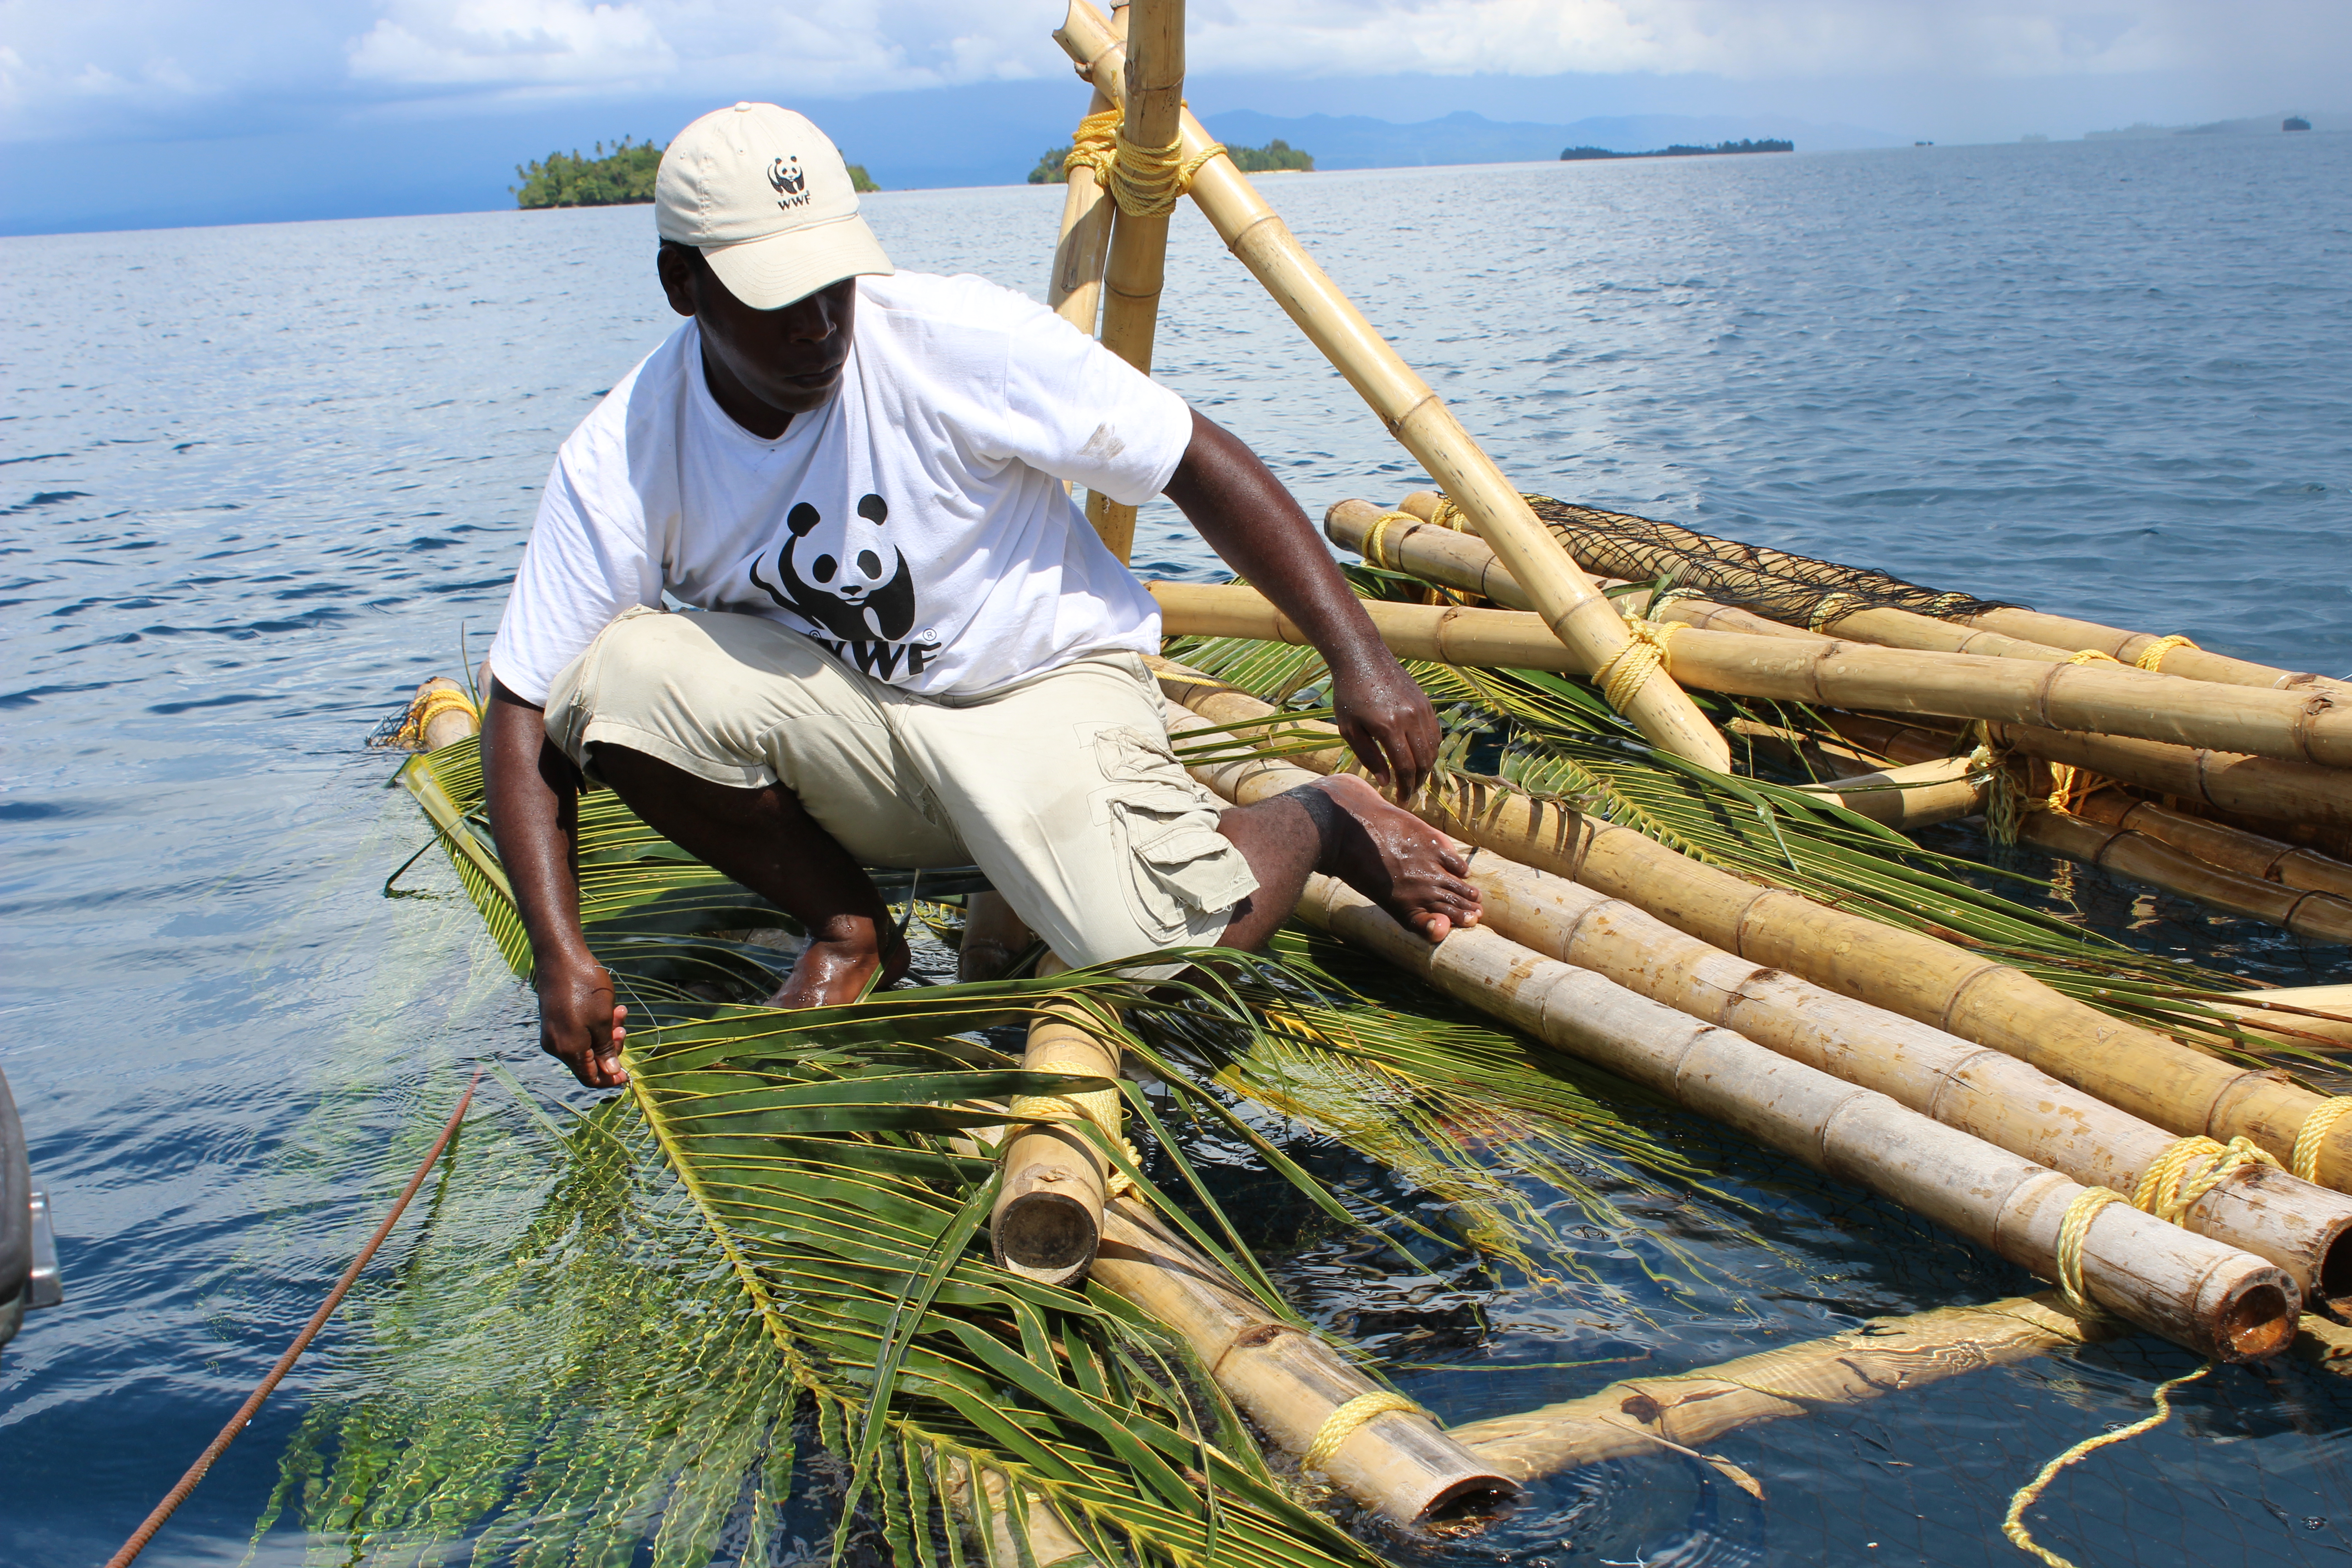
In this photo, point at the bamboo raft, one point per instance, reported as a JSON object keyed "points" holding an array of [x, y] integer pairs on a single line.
{"points": [[2159, 1144]]}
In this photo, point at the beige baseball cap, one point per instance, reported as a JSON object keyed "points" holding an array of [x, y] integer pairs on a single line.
{"points": [[765, 197]]}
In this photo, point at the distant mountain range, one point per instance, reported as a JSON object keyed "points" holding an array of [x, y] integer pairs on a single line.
{"points": [[1359, 142], [2259, 125]]}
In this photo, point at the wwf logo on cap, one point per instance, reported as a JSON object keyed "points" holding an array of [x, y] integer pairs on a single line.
{"points": [[791, 184]]}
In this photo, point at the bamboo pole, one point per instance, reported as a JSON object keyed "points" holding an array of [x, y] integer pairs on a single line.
{"points": [[1901, 629], [993, 936], [1393, 1458], [1074, 292], [1919, 976], [439, 714], [1580, 618], [2318, 917], [1152, 98], [2214, 1300], [2232, 848], [1917, 795], [1048, 1216], [2305, 1229], [2322, 1010], [1836, 674], [1037, 1535]]}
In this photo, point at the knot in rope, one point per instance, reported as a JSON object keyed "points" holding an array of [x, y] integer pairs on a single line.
{"points": [[1145, 181], [1827, 610], [430, 706], [1341, 1423], [2073, 1228], [2189, 1169], [2304, 1160], [2151, 657], [1630, 668]]}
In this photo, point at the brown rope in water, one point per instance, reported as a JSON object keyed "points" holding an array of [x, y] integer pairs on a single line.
{"points": [[246, 1412]]}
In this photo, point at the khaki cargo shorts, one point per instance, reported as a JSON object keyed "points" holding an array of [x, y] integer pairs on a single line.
{"points": [[1062, 789]]}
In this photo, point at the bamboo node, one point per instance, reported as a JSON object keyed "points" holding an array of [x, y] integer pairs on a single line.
{"points": [[2305, 1162], [1630, 668], [425, 709], [2191, 1168], [1341, 1423], [2073, 1228], [1145, 181], [2151, 657], [2013, 1525]]}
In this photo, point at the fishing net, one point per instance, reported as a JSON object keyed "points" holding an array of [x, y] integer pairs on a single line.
{"points": [[1796, 589]]}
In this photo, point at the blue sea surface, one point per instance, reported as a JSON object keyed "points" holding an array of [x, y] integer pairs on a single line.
{"points": [[256, 483]]}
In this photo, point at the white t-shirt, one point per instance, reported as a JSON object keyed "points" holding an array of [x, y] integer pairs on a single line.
{"points": [[915, 524]]}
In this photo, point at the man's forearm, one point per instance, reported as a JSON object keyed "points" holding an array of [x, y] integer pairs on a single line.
{"points": [[533, 808]]}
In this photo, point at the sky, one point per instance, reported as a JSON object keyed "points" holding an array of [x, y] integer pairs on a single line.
{"points": [[127, 113]]}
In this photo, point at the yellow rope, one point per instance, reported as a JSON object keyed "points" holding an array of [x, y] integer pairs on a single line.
{"points": [[2189, 1169], [440, 699], [1630, 666], [1145, 181], [1448, 515], [2093, 655], [1341, 1423], [2073, 1227], [2013, 1526], [1379, 531], [1102, 1107], [2305, 1162], [1828, 611], [2062, 785], [2152, 655]]}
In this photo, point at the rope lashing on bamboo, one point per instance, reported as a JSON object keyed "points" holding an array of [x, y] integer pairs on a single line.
{"points": [[2074, 1227], [2191, 1168], [2013, 1524], [1630, 666], [1828, 609], [439, 701], [1100, 1107], [2304, 1160], [2093, 655], [2151, 657], [1145, 181], [1447, 515], [1379, 531], [1341, 1423]]}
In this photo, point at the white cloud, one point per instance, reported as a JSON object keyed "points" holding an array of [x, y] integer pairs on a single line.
{"points": [[508, 42]]}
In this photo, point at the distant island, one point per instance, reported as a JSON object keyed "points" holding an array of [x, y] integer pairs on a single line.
{"points": [[1762, 144], [1275, 155], [618, 178]]}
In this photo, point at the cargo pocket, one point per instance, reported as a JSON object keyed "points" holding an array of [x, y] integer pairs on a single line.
{"points": [[1183, 876]]}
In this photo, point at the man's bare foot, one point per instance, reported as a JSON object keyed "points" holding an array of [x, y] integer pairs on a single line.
{"points": [[1399, 862], [832, 973]]}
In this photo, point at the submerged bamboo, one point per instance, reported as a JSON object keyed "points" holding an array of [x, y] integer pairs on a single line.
{"points": [[1838, 675], [2232, 848], [2319, 917], [1578, 616], [1049, 1217], [2305, 1229], [1380, 1448], [2214, 1300], [1919, 976]]}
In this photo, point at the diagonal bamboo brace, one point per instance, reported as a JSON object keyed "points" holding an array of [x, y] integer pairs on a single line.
{"points": [[1575, 611]]}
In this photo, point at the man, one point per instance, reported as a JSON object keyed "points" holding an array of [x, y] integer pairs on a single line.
{"points": [[922, 654]]}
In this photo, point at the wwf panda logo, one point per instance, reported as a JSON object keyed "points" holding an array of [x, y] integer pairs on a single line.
{"points": [[850, 579]]}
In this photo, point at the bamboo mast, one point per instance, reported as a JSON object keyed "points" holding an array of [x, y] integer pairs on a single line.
{"points": [[1837, 675], [1919, 976], [1577, 614], [1151, 99], [2213, 1300], [1380, 1448], [2244, 1204]]}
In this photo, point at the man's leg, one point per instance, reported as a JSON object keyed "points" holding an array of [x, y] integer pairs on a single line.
{"points": [[1341, 826], [764, 839]]}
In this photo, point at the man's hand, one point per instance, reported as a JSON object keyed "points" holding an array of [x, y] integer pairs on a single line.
{"points": [[1387, 722], [580, 1024]]}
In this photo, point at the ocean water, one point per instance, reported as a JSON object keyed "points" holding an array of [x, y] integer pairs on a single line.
{"points": [[254, 483]]}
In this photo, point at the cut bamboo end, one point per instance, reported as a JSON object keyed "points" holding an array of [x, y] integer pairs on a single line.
{"points": [[2213, 1300], [1047, 1221], [1395, 1462], [1916, 795]]}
